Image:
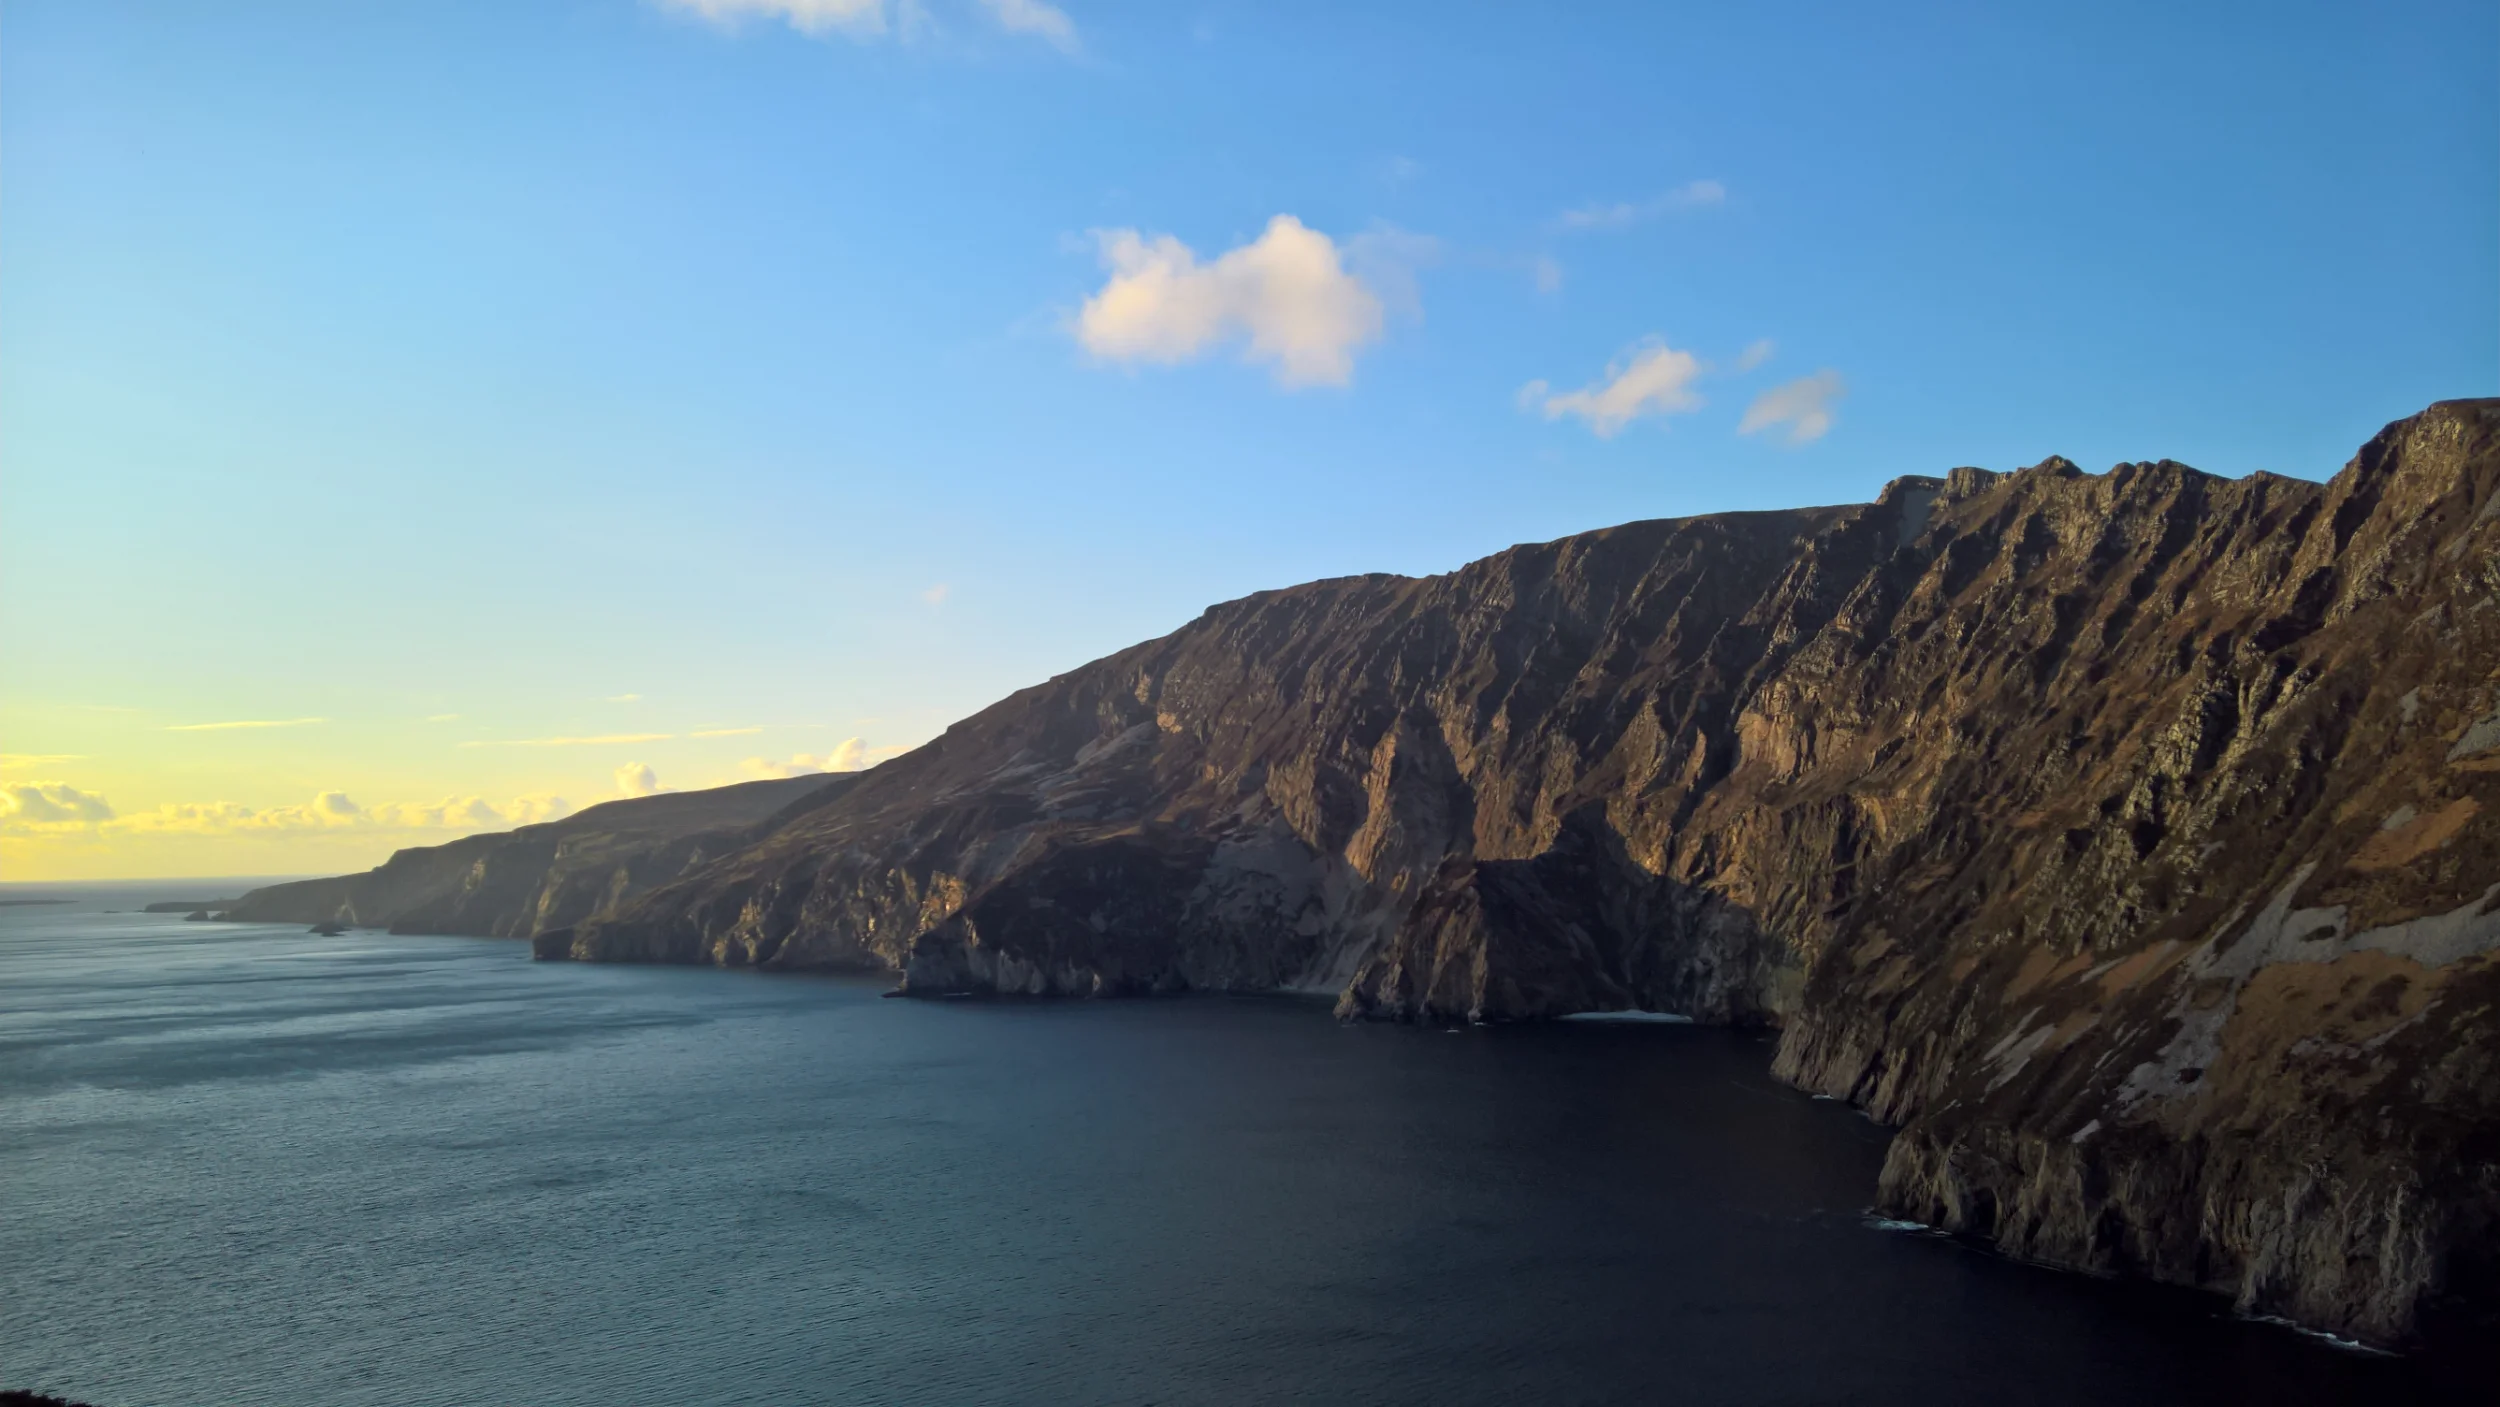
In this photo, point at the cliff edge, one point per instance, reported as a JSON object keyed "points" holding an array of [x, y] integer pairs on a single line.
{"points": [[511, 884], [2126, 839]]}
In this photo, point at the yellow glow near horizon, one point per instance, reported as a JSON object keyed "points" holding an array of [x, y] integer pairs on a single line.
{"points": [[119, 794]]}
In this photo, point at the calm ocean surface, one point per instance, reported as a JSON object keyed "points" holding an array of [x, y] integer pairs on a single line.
{"points": [[245, 1165]]}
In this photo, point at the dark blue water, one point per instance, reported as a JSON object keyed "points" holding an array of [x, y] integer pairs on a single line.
{"points": [[246, 1165]]}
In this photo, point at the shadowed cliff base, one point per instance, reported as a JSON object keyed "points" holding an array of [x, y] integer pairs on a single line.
{"points": [[2124, 839]]}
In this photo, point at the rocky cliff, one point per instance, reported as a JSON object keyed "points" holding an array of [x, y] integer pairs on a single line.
{"points": [[2124, 838], [516, 883]]}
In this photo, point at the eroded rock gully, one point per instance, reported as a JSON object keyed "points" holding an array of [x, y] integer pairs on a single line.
{"points": [[2124, 838]]}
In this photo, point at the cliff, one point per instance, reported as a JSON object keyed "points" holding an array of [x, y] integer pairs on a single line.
{"points": [[2123, 838], [516, 883]]}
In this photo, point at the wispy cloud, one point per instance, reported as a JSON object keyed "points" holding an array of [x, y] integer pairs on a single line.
{"points": [[243, 723], [623, 698], [442, 718], [1756, 354], [1650, 379], [936, 595], [1805, 406], [600, 740], [1043, 21], [20, 761], [864, 20], [1623, 214], [1386, 259], [725, 732], [1286, 297], [860, 19]]}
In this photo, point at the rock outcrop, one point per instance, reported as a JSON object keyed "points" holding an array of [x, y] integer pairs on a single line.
{"points": [[2126, 839], [516, 883]]}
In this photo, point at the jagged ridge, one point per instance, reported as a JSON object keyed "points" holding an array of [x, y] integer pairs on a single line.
{"points": [[2121, 837]]}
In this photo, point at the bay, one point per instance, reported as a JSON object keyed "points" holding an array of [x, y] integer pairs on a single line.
{"points": [[249, 1165]]}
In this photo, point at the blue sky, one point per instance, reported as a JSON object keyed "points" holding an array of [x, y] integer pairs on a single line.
{"points": [[487, 364]]}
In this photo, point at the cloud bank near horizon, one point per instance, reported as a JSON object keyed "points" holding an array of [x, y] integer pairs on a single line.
{"points": [[848, 755], [58, 809]]}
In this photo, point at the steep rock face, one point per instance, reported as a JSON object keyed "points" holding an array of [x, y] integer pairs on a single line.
{"points": [[1448, 797], [2125, 838], [517, 883], [2180, 963]]}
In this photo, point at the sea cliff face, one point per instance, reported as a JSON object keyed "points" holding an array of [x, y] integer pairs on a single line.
{"points": [[1448, 797], [517, 883], [2121, 837]]}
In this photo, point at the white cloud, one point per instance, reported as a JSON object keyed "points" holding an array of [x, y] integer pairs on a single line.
{"points": [[1804, 406], [1756, 354], [848, 755], [1546, 273], [1286, 295], [1618, 215], [637, 779], [1650, 379], [244, 723], [32, 805], [1043, 21]]}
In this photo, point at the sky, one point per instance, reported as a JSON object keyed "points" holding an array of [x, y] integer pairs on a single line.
{"points": [[419, 418]]}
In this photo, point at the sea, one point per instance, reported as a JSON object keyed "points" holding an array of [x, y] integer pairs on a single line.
{"points": [[253, 1165]]}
